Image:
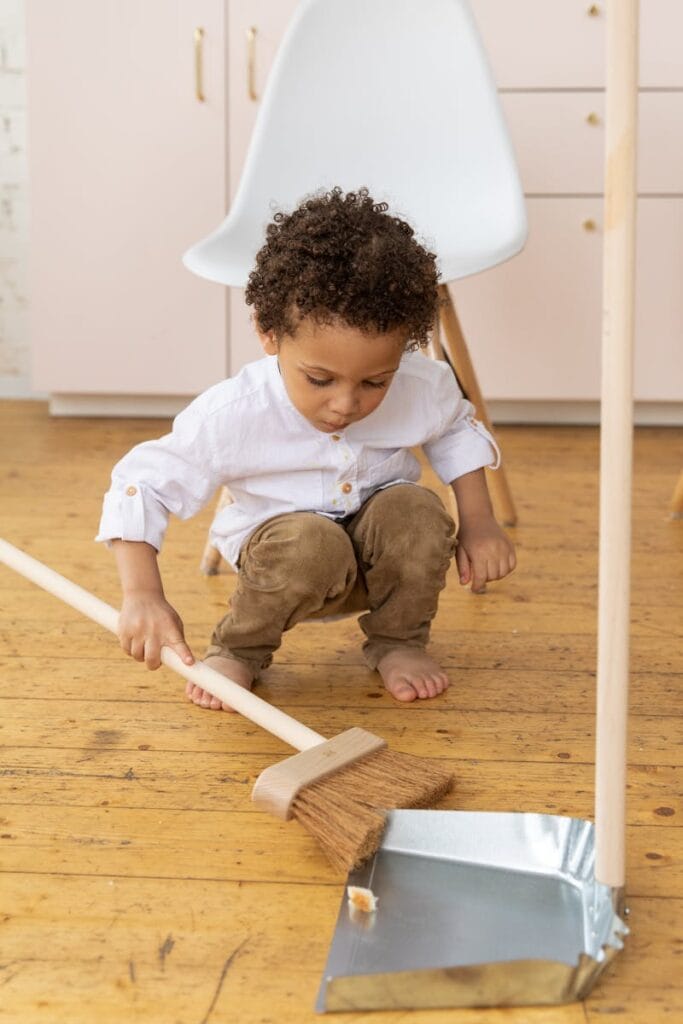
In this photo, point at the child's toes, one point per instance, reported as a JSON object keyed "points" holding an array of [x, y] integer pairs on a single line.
{"points": [[421, 687], [193, 692], [432, 685], [401, 689]]}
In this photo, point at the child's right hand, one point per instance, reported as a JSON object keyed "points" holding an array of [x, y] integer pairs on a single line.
{"points": [[147, 622]]}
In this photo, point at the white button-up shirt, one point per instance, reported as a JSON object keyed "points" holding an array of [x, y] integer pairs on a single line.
{"points": [[245, 433]]}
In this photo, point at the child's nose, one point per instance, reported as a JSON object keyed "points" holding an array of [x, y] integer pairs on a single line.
{"points": [[344, 403]]}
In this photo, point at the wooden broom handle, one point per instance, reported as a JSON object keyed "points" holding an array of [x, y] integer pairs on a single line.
{"points": [[616, 441], [248, 704]]}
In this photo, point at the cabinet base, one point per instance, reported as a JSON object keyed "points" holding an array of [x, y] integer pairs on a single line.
{"points": [[646, 414]]}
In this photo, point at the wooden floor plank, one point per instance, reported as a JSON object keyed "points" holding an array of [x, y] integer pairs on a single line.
{"points": [[296, 685], [247, 845], [223, 781]]}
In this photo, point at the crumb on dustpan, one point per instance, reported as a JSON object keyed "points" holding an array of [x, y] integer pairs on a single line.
{"points": [[362, 899]]}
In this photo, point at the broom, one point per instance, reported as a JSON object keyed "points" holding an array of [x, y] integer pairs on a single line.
{"points": [[339, 789]]}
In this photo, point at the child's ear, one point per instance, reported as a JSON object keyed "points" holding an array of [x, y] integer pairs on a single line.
{"points": [[268, 343]]}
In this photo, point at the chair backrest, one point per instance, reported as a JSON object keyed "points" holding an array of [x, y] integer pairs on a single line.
{"points": [[396, 95]]}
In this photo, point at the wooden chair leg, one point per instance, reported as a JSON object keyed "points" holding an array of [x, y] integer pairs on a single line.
{"points": [[459, 358], [677, 500], [435, 351], [210, 564]]}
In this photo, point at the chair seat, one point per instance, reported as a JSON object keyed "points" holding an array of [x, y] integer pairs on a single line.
{"points": [[228, 256]]}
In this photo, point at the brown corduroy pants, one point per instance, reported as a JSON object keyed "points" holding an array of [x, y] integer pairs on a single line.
{"points": [[390, 559]]}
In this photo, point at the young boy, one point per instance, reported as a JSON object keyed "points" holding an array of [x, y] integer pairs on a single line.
{"points": [[314, 443]]}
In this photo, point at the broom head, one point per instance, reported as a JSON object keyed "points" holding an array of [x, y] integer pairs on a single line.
{"points": [[340, 791]]}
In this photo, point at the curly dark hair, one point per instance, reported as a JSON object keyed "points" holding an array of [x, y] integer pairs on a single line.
{"points": [[343, 258]]}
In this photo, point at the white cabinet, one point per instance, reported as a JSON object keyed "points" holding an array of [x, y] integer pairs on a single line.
{"points": [[127, 169], [534, 324]]}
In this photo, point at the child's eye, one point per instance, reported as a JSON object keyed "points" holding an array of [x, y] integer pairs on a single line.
{"points": [[375, 383], [317, 382]]}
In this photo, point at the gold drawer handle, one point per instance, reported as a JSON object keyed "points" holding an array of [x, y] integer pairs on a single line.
{"points": [[589, 224], [251, 64], [593, 118], [199, 65]]}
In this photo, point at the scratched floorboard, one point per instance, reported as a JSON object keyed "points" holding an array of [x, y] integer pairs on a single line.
{"points": [[137, 883]]}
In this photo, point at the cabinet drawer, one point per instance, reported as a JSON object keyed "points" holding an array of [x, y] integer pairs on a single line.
{"points": [[542, 44], [559, 139], [556, 44], [534, 324]]}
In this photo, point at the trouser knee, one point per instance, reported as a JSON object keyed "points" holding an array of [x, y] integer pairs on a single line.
{"points": [[411, 524], [302, 555]]}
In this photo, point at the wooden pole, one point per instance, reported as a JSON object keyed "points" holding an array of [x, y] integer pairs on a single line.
{"points": [[616, 440]]}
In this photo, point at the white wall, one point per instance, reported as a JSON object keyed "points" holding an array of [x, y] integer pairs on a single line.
{"points": [[14, 346]]}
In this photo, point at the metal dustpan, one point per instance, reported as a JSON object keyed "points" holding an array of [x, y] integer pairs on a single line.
{"points": [[485, 909], [474, 909]]}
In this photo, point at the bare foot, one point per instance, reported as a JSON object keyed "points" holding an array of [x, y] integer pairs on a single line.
{"points": [[409, 673], [235, 670]]}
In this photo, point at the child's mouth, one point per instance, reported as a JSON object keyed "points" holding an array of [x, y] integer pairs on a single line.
{"points": [[335, 426]]}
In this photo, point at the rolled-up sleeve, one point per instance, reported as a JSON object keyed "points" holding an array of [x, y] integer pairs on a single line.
{"points": [[461, 444], [175, 474]]}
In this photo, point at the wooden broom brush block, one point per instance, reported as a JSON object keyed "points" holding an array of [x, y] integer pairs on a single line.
{"points": [[277, 786]]}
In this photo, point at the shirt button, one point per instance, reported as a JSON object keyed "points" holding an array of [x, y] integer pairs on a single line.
{"points": [[130, 491], [336, 437], [347, 488]]}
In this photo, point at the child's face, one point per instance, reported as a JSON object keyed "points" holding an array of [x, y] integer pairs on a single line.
{"points": [[334, 374]]}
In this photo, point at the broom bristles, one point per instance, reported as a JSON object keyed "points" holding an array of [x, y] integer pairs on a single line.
{"points": [[346, 812]]}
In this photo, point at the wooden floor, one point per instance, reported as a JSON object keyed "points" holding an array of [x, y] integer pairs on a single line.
{"points": [[137, 881]]}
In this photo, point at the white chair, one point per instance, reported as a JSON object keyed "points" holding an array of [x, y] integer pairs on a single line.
{"points": [[396, 95]]}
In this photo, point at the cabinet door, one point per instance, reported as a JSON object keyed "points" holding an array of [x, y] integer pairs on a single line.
{"points": [[254, 34], [127, 170]]}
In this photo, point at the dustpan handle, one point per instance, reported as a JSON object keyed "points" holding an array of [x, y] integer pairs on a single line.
{"points": [[248, 704], [616, 440]]}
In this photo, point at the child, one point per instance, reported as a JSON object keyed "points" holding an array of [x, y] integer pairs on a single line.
{"points": [[314, 443]]}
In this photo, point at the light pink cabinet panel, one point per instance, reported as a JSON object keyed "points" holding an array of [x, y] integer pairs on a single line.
{"points": [[559, 139], [127, 170], [658, 373], [254, 34], [661, 52], [543, 44], [551, 44], [533, 324], [660, 142]]}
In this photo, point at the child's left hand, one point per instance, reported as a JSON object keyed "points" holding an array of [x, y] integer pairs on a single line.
{"points": [[484, 553]]}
